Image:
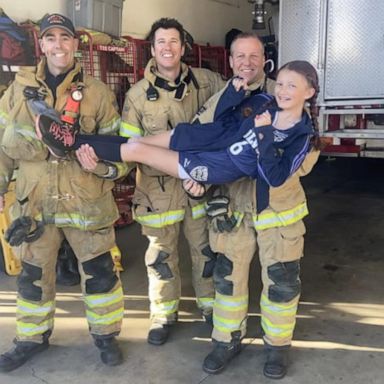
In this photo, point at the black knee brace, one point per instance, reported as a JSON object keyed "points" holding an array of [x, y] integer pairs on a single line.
{"points": [[160, 267], [287, 284], [223, 268], [103, 276], [210, 264], [29, 274]]}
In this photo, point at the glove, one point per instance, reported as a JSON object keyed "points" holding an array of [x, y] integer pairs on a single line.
{"points": [[217, 210], [23, 229], [217, 206]]}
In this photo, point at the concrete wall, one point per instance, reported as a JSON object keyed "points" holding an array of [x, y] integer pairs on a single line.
{"points": [[206, 20]]}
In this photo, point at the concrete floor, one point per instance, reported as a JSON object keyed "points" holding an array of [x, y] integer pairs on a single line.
{"points": [[339, 336]]}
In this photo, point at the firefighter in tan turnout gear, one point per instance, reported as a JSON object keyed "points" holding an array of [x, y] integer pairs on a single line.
{"points": [[238, 230], [170, 93], [59, 198]]}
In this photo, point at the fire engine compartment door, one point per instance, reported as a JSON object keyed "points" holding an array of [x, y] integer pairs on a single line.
{"points": [[299, 30], [354, 53]]}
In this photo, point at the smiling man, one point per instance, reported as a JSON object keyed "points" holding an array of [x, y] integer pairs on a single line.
{"points": [[244, 226], [60, 198], [170, 93]]}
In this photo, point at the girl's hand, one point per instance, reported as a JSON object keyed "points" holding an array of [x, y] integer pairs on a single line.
{"points": [[239, 83], [263, 119], [193, 189], [87, 157]]}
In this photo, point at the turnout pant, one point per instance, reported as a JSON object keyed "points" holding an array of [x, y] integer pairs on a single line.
{"points": [[101, 287], [280, 250], [162, 261]]}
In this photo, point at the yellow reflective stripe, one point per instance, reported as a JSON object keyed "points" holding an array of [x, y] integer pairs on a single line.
{"points": [[222, 328], [239, 218], [226, 325], [205, 302], [75, 220], [105, 299], [105, 319], [276, 308], [30, 309], [165, 308], [121, 167], [198, 211], [128, 130], [28, 132], [160, 220], [280, 330], [110, 127], [280, 219], [3, 118], [230, 303], [29, 329]]}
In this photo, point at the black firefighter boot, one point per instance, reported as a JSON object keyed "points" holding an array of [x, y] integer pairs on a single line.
{"points": [[110, 352], [22, 352], [276, 364], [222, 354], [158, 333], [67, 272]]}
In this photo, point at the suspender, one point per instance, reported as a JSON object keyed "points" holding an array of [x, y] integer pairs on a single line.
{"points": [[153, 95]]}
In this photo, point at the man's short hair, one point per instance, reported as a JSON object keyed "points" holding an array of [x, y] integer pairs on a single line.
{"points": [[166, 23], [246, 35]]}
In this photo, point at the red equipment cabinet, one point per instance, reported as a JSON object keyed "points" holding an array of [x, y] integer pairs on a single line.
{"points": [[114, 65], [214, 58], [117, 67], [143, 54]]}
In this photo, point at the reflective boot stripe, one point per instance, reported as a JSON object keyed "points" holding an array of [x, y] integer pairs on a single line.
{"points": [[278, 320], [229, 313], [26, 308], [103, 300], [163, 309], [226, 325], [231, 303], [33, 319], [106, 308], [30, 329], [205, 302], [105, 319], [278, 308], [277, 330]]}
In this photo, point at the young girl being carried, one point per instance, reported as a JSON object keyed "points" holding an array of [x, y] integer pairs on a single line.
{"points": [[260, 140]]}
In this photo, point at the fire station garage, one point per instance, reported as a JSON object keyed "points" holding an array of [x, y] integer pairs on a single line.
{"points": [[314, 318]]}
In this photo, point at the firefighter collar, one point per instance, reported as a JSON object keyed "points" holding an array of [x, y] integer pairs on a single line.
{"points": [[71, 111], [179, 88], [260, 85]]}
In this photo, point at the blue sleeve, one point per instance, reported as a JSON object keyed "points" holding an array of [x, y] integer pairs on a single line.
{"points": [[229, 99], [275, 165]]}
